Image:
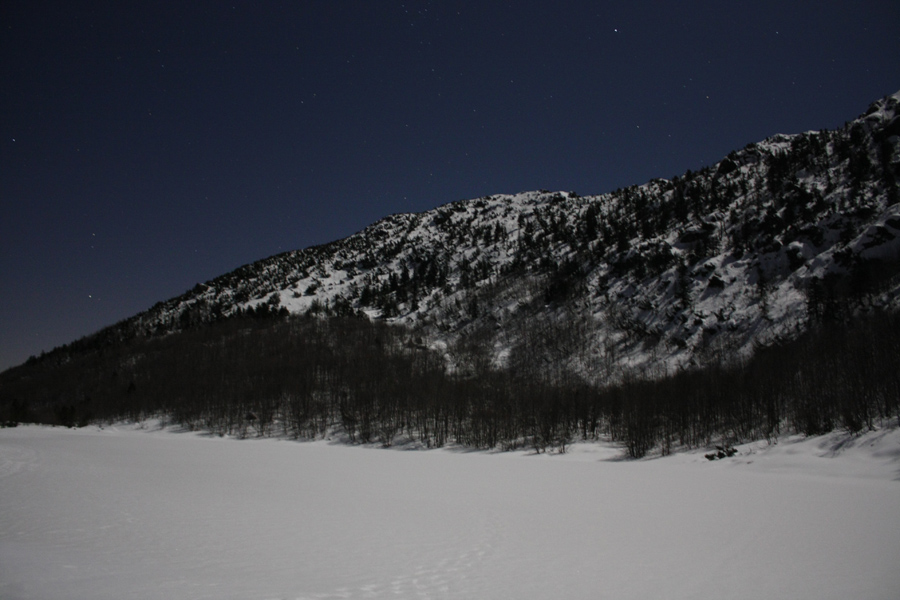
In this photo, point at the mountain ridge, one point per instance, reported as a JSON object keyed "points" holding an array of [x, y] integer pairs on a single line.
{"points": [[670, 274]]}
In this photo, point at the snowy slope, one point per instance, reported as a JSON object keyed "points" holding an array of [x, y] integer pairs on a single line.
{"points": [[123, 513], [671, 273]]}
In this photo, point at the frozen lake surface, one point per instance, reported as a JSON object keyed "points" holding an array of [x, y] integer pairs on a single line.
{"points": [[126, 513]]}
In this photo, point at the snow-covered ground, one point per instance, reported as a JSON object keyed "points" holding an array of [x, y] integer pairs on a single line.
{"points": [[125, 513]]}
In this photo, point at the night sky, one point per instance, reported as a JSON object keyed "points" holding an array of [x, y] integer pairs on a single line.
{"points": [[148, 146]]}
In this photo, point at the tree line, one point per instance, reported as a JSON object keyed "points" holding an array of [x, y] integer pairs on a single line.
{"points": [[306, 377]]}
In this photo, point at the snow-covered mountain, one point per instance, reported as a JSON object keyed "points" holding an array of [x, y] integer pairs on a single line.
{"points": [[675, 272]]}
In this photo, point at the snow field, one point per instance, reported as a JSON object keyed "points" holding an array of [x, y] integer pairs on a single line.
{"points": [[123, 513]]}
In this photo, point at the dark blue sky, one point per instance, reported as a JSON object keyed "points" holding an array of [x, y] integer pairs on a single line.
{"points": [[145, 147]]}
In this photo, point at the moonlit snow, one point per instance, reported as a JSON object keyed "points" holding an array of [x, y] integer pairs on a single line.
{"points": [[126, 513]]}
